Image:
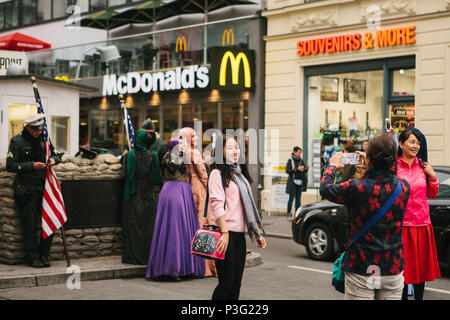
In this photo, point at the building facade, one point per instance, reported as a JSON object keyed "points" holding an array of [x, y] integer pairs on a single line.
{"points": [[338, 71], [181, 71]]}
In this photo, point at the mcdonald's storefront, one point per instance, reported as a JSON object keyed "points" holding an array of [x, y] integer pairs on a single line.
{"points": [[223, 94], [333, 79]]}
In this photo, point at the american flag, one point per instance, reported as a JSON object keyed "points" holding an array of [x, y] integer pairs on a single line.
{"points": [[128, 126], [53, 209]]}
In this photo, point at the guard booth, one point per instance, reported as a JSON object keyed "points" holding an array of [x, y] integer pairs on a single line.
{"points": [[61, 103]]}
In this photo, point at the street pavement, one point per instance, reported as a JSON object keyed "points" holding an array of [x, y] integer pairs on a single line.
{"points": [[286, 273]]}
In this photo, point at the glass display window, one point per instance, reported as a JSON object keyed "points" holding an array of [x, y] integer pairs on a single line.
{"points": [[61, 133], [346, 108], [404, 82], [170, 121], [191, 113], [17, 113], [154, 114], [231, 115]]}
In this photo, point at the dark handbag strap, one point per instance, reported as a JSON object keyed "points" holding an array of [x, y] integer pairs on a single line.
{"points": [[369, 224], [207, 195]]}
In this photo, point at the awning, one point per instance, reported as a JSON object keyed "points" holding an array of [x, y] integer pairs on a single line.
{"points": [[105, 19], [20, 42]]}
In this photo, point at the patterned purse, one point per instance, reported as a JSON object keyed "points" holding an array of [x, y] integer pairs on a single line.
{"points": [[204, 243]]}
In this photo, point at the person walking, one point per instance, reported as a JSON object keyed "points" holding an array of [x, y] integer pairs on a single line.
{"points": [[176, 222], [199, 182], [297, 180], [26, 157], [418, 235], [380, 249], [140, 167], [232, 209]]}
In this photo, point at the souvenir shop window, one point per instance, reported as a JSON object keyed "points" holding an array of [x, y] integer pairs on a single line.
{"points": [[343, 109], [404, 82], [401, 102]]}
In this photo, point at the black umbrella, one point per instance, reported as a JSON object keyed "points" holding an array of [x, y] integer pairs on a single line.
{"points": [[149, 11], [105, 19], [202, 6]]}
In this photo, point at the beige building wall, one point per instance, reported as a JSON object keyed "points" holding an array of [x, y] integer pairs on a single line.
{"points": [[291, 20]]}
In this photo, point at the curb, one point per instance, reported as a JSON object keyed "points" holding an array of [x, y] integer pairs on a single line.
{"points": [[62, 277], [279, 235], [253, 259]]}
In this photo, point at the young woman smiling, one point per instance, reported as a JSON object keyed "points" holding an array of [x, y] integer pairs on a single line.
{"points": [[421, 264], [232, 210]]}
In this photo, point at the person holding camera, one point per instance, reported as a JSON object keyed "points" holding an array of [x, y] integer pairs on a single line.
{"points": [[298, 179], [27, 158], [374, 263]]}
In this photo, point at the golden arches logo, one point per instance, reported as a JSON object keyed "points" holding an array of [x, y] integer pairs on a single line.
{"points": [[235, 62], [181, 44], [228, 34]]}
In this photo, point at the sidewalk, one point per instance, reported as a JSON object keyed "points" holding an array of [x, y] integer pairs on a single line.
{"points": [[277, 225], [14, 276]]}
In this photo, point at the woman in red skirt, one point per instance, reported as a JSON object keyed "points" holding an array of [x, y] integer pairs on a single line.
{"points": [[421, 263]]}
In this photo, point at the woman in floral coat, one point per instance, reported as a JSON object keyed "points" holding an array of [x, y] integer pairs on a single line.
{"points": [[380, 249]]}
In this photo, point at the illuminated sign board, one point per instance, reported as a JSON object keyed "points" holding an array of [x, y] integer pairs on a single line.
{"points": [[181, 44], [232, 68], [354, 42], [228, 35], [175, 79]]}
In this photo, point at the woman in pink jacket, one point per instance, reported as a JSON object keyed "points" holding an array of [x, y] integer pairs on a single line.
{"points": [[233, 210], [421, 263]]}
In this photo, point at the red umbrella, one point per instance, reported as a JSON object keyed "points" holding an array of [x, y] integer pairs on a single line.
{"points": [[20, 42]]}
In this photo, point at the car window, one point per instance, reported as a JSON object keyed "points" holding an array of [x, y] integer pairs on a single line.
{"points": [[444, 185]]}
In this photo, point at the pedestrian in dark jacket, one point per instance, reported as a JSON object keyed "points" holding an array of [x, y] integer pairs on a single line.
{"points": [[298, 180], [378, 254]]}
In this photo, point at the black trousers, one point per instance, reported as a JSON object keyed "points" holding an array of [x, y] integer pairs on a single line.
{"points": [[30, 208], [418, 291], [231, 269]]}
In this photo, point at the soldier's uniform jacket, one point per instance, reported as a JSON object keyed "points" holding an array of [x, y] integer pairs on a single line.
{"points": [[20, 160]]}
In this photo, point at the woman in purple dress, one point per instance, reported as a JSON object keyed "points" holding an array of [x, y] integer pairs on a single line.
{"points": [[176, 223]]}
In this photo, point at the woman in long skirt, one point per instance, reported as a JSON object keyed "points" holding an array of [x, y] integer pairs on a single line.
{"points": [[140, 168], [176, 223], [199, 183]]}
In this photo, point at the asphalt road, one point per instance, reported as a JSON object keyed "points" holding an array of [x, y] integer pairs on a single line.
{"points": [[286, 274]]}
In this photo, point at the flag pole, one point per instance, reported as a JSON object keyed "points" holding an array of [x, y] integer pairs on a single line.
{"points": [[125, 119], [37, 97]]}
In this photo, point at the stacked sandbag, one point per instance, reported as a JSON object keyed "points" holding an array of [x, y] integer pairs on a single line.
{"points": [[82, 243]]}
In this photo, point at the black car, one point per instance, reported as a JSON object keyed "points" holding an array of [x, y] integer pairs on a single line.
{"points": [[322, 227]]}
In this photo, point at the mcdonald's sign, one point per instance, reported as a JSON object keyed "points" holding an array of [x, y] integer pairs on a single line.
{"points": [[232, 68], [228, 34], [181, 44]]}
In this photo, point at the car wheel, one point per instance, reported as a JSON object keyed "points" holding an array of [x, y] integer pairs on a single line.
{"points": [[319, 242]]}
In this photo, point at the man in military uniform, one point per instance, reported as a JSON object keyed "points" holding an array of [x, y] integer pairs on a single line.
{"points": [[27, 158]]}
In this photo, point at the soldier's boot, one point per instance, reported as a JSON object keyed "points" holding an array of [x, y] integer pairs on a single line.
{"points": [[45, 261], [37, 264]]}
